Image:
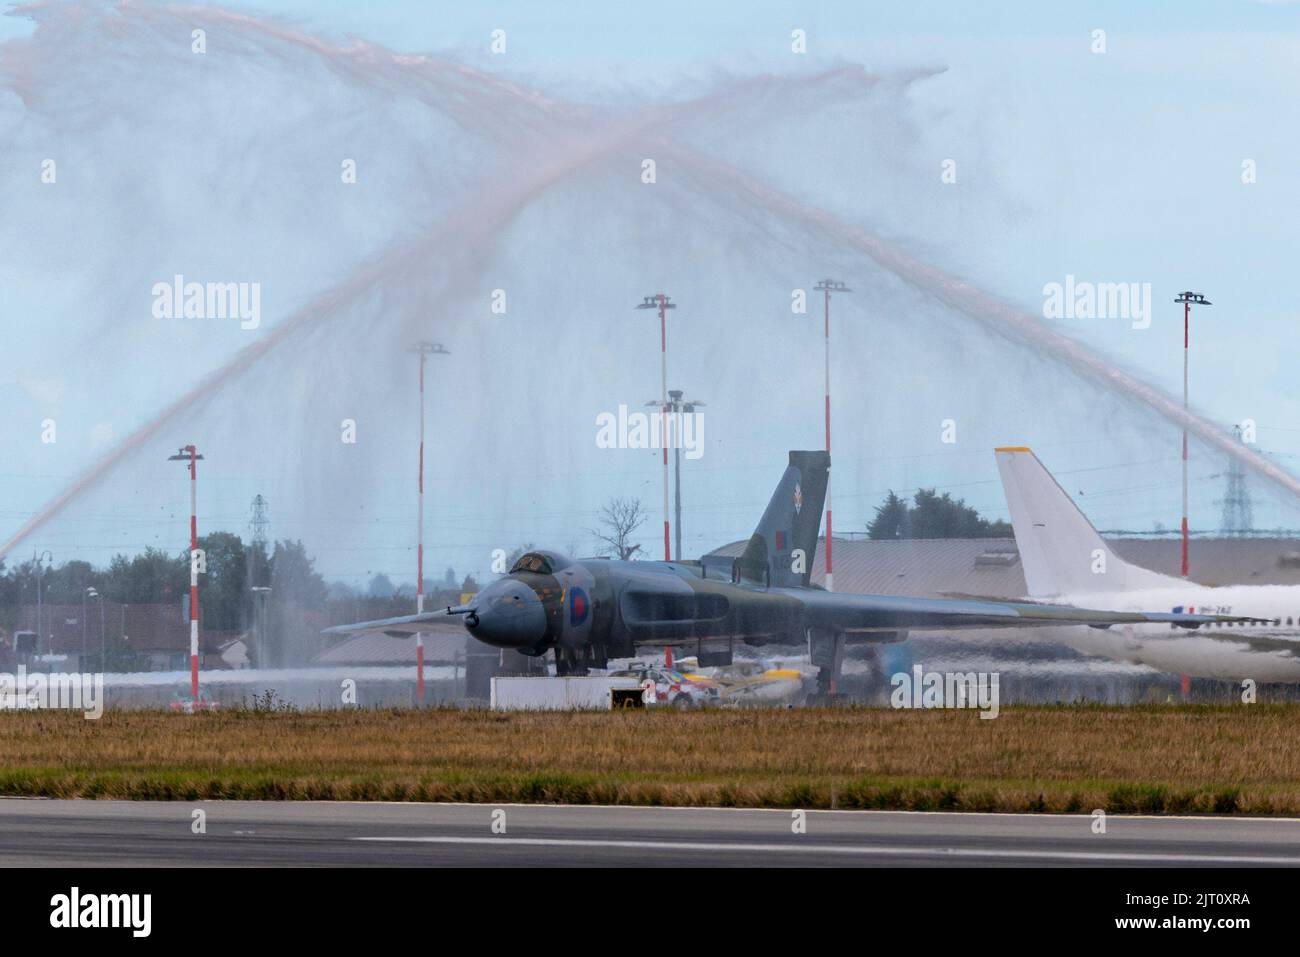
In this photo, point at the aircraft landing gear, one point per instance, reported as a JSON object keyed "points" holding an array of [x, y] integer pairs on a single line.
{"points": [[877, 685], [569, 662], [826, 653]]}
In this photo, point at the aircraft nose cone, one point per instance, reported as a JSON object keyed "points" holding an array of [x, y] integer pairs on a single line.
{"points": [[508, 614]]}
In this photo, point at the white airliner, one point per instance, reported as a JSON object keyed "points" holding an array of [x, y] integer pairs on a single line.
{"points": [[1065, 560]]}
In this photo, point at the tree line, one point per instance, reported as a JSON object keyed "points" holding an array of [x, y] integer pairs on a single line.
{"points": [[157, 576], [930, 515]]}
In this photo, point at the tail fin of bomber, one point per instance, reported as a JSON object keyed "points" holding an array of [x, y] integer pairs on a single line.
{"points": [[1060, 551], [781, 550]]}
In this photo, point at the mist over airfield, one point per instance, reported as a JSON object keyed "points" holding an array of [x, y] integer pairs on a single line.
{"points": [[517, 172]]}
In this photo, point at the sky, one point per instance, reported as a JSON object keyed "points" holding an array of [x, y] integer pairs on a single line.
{"points": [[477, 172]]}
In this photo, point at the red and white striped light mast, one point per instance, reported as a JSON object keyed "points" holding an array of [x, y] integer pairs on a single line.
{"points": [[424, 350], [827, 286], [661, 302], [1187, 299], [190, 456]]}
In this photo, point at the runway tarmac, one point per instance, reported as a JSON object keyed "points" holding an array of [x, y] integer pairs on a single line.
{"points": [[143, 833]]}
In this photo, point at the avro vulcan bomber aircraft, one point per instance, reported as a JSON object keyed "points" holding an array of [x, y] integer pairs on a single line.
{"points": [[589, 610]]}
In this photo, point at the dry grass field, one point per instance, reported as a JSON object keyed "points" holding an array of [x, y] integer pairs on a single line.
{"points": [[1155, 759]]}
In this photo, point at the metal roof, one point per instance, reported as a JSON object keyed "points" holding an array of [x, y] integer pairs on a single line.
{"points": [[443, 644]]}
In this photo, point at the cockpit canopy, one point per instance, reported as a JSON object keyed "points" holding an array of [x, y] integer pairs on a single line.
{"points": [[541, 562]]}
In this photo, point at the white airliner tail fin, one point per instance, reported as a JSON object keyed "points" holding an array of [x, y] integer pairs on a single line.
{"points": [[1060, 552]]}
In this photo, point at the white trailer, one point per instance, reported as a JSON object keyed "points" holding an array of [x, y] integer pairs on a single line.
{"points": [[593, 693]]}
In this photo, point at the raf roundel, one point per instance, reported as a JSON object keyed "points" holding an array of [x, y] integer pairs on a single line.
{"points": [[579, 606]]}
